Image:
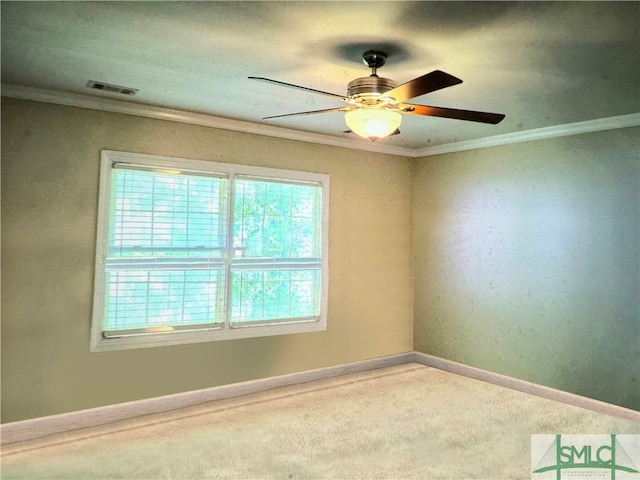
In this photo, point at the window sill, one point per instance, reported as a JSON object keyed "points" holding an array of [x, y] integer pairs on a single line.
{"points": [[198, 336]]}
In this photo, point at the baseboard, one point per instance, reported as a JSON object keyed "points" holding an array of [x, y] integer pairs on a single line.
{"points": [[527, 387], [43, 426]]}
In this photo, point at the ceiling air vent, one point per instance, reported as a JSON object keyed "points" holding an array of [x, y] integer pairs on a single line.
{"points": [[108, 87]]}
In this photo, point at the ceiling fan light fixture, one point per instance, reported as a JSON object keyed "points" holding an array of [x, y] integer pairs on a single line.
{"points": [[375, 103], [373, 123]]}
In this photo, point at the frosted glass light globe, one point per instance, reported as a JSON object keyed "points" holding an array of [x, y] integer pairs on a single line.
{"points": [[373, 123]]}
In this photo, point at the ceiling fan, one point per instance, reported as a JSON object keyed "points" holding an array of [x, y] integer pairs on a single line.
{"points": [[375, 104]]}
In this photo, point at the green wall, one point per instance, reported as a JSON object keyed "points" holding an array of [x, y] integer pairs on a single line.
{"points": [[50, 167], [527, 263]]}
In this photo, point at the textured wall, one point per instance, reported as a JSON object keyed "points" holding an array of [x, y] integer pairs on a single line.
{"points": [[50, 160], [526, 262]]}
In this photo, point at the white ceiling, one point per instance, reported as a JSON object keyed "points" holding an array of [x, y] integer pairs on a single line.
{"points": [[540, 63]]}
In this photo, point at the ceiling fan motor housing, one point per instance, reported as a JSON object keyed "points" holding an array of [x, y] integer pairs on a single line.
{"points": [[369, 87]]}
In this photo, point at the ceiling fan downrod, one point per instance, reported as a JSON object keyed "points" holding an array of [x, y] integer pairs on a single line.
{"points": [[374, 60]]}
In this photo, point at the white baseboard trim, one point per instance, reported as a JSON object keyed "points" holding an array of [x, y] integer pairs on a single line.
{"points": [[43, 426], [526, 387], [65, 422]]}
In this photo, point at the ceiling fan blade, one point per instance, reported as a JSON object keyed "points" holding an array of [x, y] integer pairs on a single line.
{"points": [[419, 86], [326, 110], [470, 115], [290, 85]]}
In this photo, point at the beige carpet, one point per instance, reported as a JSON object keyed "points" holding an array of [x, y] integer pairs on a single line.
{"points": [[402, 422]]}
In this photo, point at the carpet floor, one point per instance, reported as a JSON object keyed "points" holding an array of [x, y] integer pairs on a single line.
{"points": [[404, 422]]}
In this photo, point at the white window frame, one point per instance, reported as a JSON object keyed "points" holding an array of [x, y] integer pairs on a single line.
{"points": [[98, 341]]}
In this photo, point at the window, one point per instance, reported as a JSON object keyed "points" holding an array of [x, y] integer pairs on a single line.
{"points": [[192, 251]]}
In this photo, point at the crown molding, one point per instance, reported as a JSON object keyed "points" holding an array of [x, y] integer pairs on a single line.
{"points": [[181, 116], [589, 126], [160, 113]]}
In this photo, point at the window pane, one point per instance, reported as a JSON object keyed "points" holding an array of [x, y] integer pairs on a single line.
{"points": [[167, 215], [150, 298], [275, 294], [276, 219]]}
